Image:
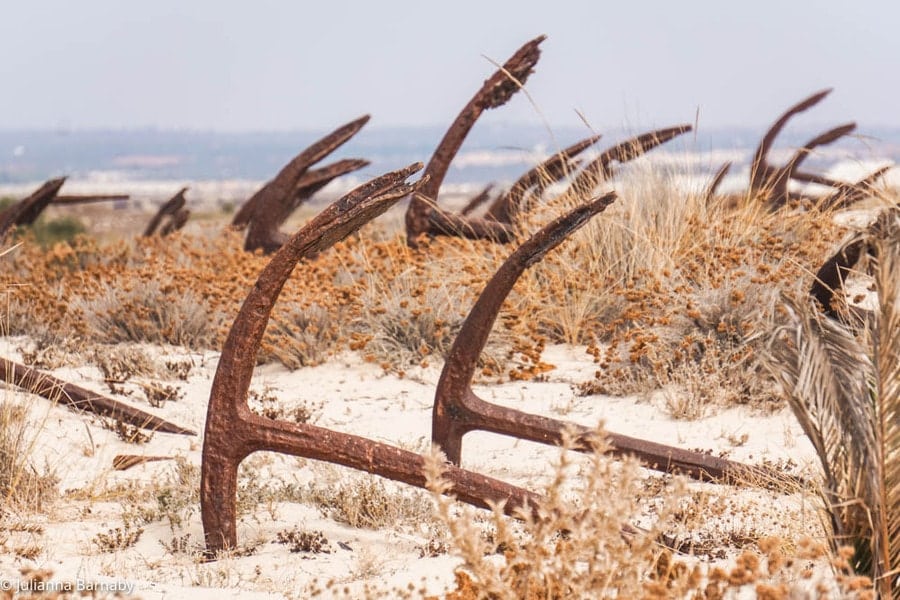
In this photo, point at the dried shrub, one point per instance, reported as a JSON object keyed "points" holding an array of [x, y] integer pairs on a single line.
{"points": [[180, 369], [409, 329], [312, 542], [120, 538], [121, 362], [668, 290], [45, 350], [264, 402], [303, 337], [128, 433], [181, 545], [365, 502], [159, 393], [153, 312], [174, 498]]}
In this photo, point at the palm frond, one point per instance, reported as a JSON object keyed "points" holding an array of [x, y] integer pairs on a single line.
{"points": [[825, 373], [844, 389], [885, 343]]}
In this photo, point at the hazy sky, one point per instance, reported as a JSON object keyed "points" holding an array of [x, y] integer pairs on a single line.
{"points": [[266, 65]]}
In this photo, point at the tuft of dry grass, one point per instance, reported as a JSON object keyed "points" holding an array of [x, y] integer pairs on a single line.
{"points": [[365, 502], [568, 547], [150, 311], [121, 362], [115, 540], [305, 336], [22, 484], [313, 542], [668, 290]]}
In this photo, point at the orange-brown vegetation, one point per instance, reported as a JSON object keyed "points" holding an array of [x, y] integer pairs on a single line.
{"points": [[661, 281]]}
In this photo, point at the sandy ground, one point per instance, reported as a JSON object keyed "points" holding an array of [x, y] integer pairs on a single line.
{"points": [[352, 396]]}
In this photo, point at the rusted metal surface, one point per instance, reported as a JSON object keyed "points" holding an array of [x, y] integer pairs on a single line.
{"points": [[599, 170], [457, 410], [555, 168], [175, 222], [771, 184], [496, 91], [123, 462], [27, 210], [776, 188], [316, 179], [805, 177], [828, 287], [477, 200], [80, 399], [309, 183], [233, 431], [760, 169], [264, 212], [846, 195], [829, 279], [716, 181], [446, 223], [168, 210]]}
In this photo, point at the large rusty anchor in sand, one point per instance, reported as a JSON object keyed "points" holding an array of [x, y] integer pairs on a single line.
{"points": [[424, 217], [770, 184], [267, 210], [233, 431]]}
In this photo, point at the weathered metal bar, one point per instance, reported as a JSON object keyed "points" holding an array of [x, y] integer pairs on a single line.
{"points": [[68, 199], [176, 222], [445, 223], [309, 183], [552, 169], [477, 200], [315, 179], [233, 431], [598, 170], [776, 188], [805, 177], [123, 462], [760, 170], [457, 410], [829, 279], [716, 181], [168, 209], [262, 211], [27, 210], [79, 398], [848, 194], [496, 91]]}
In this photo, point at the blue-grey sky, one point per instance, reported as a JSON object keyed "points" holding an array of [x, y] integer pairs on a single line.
{"points": [[270, 65]]}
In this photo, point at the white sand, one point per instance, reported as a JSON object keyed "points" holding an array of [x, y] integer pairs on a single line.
{"points": [[358, 398]]}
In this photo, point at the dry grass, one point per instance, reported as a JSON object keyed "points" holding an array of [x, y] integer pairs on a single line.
{"points": [[663, 287], [581, 543], [115, 540], [670, 291], [149, 311], [365, 502], [23, 485]]}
